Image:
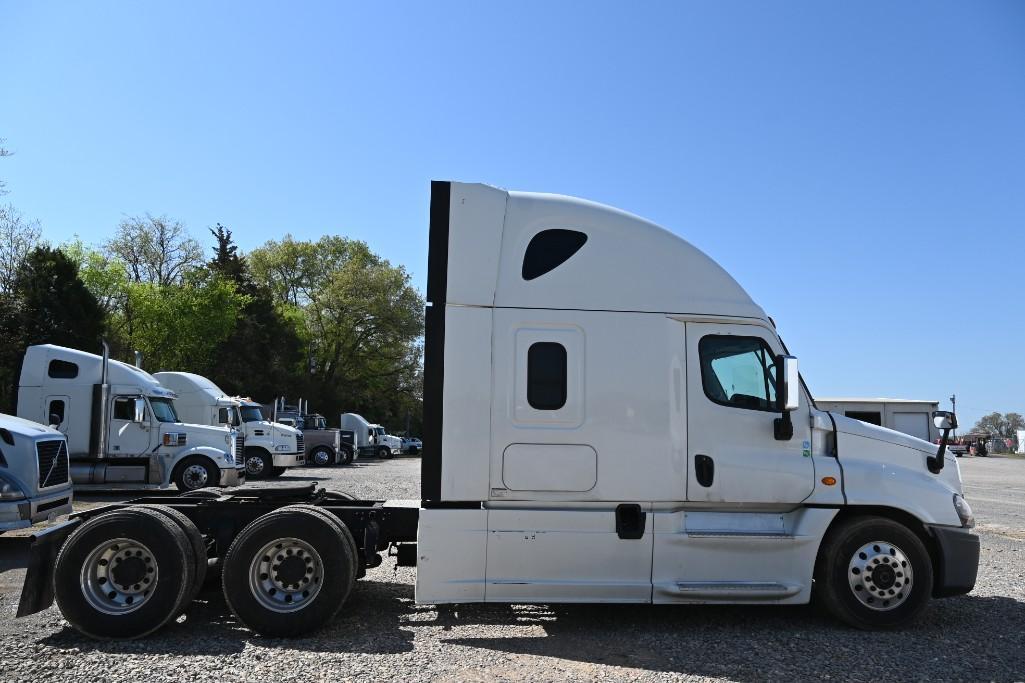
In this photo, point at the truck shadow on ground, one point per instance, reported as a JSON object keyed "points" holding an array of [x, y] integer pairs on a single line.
{"points": [[953, 639]]}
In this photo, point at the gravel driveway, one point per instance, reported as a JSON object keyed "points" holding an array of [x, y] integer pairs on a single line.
{"points": [[383, 635]]}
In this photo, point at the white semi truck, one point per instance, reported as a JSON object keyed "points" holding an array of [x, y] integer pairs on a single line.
{"points": [[121, 425], [269, 448], [370, 439], [34, 482], [644, 438]]}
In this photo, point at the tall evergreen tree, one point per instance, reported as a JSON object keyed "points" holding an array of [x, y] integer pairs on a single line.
{"points": [[49, 305], [260, 358]]}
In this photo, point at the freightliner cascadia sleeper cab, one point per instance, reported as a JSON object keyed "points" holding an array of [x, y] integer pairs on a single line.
{"points": [[609, 417]]}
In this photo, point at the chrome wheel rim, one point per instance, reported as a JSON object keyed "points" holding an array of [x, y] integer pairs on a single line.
{"points": [[254, 465], [195, 476], [119, 576], [286, 575], [880, 576], [321, 457]]}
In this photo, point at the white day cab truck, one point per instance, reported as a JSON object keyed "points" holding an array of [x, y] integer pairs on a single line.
{"points": [[584, 442], [34, 481], [269, 448], [370, 439], [121, 425]]}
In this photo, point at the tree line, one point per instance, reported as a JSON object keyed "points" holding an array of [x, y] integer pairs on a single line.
{"points": [[327, 320]]}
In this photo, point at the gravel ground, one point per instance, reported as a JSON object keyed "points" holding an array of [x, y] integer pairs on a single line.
{"points": [[383, 635]]}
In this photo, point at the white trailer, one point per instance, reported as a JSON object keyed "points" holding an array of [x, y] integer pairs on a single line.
{"points": [[907, 416], [121, 425], [609, 417], [269, 448], [34, 481]]}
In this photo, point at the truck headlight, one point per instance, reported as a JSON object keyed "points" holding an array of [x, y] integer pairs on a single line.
{"points": [[9, 489], [281, 448], [964, 511]]}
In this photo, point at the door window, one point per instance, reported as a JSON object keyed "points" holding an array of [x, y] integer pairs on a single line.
{"points": [[124, 408], [55, 413], [738, 371]]}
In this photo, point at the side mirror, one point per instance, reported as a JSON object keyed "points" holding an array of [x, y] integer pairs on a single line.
{"points": [[788, 383], [788, 394], [944, 419], [140, 410]]}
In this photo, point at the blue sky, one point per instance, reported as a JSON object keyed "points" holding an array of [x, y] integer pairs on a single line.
{"points": [[858, 167]]}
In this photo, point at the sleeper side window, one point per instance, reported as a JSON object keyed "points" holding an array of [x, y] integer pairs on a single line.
{"points": [[546, 376], [222, 416], [549, 249], [62, 369], [739, 372]]}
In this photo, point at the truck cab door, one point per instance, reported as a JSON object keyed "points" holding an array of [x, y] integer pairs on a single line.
{"points": [[733, 455], [128, 436]]}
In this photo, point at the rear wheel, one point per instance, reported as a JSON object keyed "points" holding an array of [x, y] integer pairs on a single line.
{"points": [[195, 539], [258, 463], [288, 573], [384, 453], [322, 456], [194, 473], [124, 574], [874, 573]]}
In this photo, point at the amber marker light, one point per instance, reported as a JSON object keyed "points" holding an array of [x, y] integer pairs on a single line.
{"points": [[829, 481]]}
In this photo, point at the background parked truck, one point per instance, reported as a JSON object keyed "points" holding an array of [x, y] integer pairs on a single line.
{"points": [[324, 445], [370, 439], [34, 481], [121, 425], [269, 448]]}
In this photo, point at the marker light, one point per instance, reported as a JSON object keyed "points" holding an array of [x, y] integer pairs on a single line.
{"points": [[829, 481]]}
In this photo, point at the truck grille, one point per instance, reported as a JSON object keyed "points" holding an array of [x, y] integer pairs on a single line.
{"points": [[300, 443], [240, 447], [53, 462]]}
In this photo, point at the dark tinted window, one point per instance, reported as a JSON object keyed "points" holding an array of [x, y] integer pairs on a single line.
{"points": [[222, 415], [546, 376], [550, 249], [869, 417], [124, 409], [55, 414], [738, 371], [62, 369]]}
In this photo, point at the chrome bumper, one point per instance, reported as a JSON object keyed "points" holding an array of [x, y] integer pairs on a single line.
{"points": [[19, 514]]}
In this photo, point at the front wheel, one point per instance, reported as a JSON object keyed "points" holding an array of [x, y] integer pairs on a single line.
{"points": [[194, 473], [258, 464], [874, 573], [384, 453], [346, 456], [322, 456]]}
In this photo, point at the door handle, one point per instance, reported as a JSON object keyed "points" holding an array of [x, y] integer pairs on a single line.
{"points": [[704, 470]]}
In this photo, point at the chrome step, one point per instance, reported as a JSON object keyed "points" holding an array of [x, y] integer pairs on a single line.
{"points": [[746, 590]]}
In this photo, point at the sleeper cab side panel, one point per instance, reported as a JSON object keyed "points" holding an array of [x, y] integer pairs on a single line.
{"points": [[451, 555], [466, 423], [560, 555]]}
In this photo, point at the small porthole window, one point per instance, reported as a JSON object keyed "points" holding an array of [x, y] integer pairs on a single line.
{"points": [[546, 376], [549, 249], [62, 369]]}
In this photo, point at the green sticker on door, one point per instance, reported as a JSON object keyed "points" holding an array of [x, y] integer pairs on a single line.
{"points": [[806, 449]]}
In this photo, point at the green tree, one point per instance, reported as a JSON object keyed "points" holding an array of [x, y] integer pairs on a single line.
{"points": [[49, 304], [1006, 425], [361, 320], [261, 358]]}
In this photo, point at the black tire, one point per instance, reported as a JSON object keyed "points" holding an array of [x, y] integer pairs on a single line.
{"points": [[346, 454], [276, 472], [242, 583], [384, 453], [185, 475], [196, 541], [202, 493], [258, 463], [325, 454], [170, 560], [350, 542], [840, 595]]}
